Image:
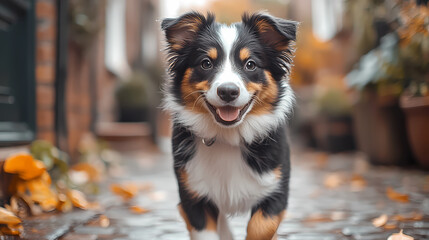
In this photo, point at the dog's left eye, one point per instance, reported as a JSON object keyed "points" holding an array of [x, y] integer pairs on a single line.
{"points": [[206, 64], [250, 65]]}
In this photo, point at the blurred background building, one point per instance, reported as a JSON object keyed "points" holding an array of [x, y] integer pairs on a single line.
{"points": [[71, 68]]}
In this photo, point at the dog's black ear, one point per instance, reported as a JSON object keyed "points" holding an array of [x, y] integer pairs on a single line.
{"points": [[275, 32], [182, 30]]}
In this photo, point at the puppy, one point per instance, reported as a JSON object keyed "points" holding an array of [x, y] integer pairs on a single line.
{"points": [[230, 98]]}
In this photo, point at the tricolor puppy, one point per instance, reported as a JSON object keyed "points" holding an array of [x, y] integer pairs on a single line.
{"points": [[230, 98]]}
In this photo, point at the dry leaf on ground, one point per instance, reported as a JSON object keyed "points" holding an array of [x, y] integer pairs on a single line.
{"points": [[414, 216], [25, 166], [400, 236], [396, 196], [93, 173], [358, 183], [139, 210], [333, 180], [11, 229], [7, 217], [78, 199], [380, 221], [126, 191]]}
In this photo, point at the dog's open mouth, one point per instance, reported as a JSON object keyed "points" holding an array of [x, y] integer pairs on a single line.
{"points": [[228, 115]]}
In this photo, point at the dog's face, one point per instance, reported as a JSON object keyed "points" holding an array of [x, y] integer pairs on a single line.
{"points": [[229, 72]]}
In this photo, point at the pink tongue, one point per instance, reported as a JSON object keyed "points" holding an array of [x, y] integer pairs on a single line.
{"points": [[228, 114]]}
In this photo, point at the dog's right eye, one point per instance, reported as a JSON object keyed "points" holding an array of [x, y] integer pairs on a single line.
{"points": [[206, 64]]}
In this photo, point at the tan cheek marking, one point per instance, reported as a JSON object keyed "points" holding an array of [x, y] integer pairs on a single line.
{"points": [[204, 85], [212, 53], [262, 227], [266, 96], [244, 54], [191, 94]]}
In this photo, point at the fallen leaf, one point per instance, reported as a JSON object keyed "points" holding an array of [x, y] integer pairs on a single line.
{"points": [[104, 221], [64, 203], [93, 173], [317, 217], [400, 236], [25, 166], [11, 229], [7, 217], [390, 225], [139, 210], [333, 180], [126, 191], [41, 193], [358, 183], [380, 221], [414, 216], [78, 199], [396, 196]]}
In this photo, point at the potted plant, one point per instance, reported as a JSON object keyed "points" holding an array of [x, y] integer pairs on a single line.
{"points": [[414, 52], [379, 80], [333, 128], [133, 96]]}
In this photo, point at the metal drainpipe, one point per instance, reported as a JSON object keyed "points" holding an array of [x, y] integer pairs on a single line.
{"points": [[61, 76]]}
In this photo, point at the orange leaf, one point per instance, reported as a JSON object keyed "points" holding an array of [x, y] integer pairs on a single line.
{"points": [[7, 217], [333, 180], [400, 236], [93, 173], [380, 221], [139, 210], [64, 203], [25, 166], [11, 230], [78, 199], [396, 196], [42, 194], [126, 191]]}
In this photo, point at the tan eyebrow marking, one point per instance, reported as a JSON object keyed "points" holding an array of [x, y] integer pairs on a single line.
{"points": [[212, 53], [244, 54]]}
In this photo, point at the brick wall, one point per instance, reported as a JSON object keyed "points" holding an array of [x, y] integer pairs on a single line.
{"points": [[45, 68]]}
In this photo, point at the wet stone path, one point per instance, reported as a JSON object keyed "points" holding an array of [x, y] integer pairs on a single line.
{"points": [[332, 197]]}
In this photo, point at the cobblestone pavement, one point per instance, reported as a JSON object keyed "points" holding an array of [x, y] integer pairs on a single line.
{"points": [[332, 197]]}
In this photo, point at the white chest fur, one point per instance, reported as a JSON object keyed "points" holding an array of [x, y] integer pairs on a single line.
{"points": [[220, 173]]}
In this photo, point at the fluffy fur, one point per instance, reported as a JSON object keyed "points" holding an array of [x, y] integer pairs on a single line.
{"points": [[229, 84]]}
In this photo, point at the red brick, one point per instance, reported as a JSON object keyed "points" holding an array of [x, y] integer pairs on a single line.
{"points": [[45, 95], [47, 135], [45, 10], [45, 118], [45, 73], [45, 52], [46, 32]]}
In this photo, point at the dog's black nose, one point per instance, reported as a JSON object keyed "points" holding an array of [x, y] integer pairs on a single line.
{"points": [[228, 92]]}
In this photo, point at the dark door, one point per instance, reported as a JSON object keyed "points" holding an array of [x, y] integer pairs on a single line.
{"points": [[17, 81]]}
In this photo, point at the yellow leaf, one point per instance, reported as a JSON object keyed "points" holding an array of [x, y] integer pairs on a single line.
{"points": [[400, 236], [126, 191], [380, 221], [396, 196], [25, 166], [7, 217], [139, 210], [78, 199]]}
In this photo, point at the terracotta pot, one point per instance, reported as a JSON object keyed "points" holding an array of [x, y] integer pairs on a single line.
{"points": [[380, 129], [417, 115], [334, 134]]}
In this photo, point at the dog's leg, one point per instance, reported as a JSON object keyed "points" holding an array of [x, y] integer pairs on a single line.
{"points": [[263, 226], [201, 221], [223, 228]]}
